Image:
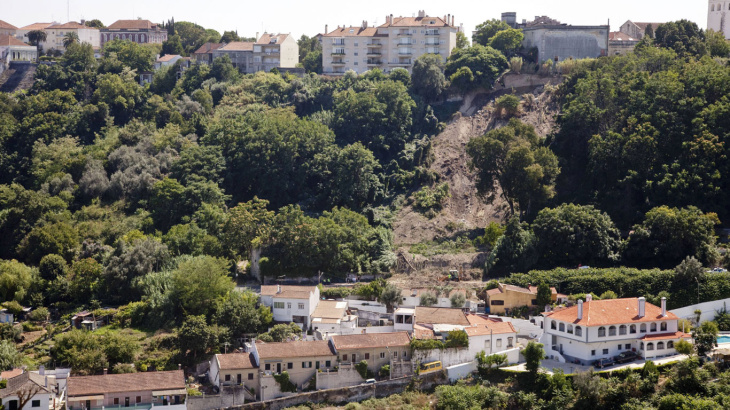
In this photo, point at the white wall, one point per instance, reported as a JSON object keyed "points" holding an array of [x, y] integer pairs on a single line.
{"points": [[367, 305], [346, 376], [708, 310], [460, 371]]}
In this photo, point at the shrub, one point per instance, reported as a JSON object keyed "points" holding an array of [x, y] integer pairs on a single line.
{"points": [[384, 371], [123, 368], [546, 68], [335, 293], [507, 105], [285, 385], [457, 300], [362, 368], [515, 64], [428, 299], [431, 198]]}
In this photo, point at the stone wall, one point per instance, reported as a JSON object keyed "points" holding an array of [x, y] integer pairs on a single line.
{"points": [[345, 376], [708, 309]]}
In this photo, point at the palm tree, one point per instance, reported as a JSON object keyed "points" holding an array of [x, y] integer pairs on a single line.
{"points": [[36, 37], [70, 38]]}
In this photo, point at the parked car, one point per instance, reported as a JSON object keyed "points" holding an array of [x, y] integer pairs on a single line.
{"points": [[626, 357], [601, 363], [369, 381]]}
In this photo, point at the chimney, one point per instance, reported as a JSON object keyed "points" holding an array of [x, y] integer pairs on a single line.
{"points": [[642, 306], [580, 309], [278, 288], [453, 19], [664, 307], [589, 297], [391, 19], [105, 370], [257, 37], [448, 18], [325, 29]]}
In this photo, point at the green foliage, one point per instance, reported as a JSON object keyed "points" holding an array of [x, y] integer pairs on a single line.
{"points": [[462, 41], [469, 397], [362, 368], [485, 363], [544, 295], [195, 337], [515, 251], [427, 199], [10, 358], [484, 65], [285, 385], [428, 80], [428, 299], [384, 371], [457, 339], [199, 283], [507, 41], [390, 296], [129, 54], [238, 311], [683, 36], [335, 293], [507, 105], [534, 354], [492, 233], [684, 347], [457, 300], [485, 31], [705, 338], [16, 280], [281, 333], [80, 350]]}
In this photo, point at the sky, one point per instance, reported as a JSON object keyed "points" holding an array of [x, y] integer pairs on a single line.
{"points": [[309, 17]]}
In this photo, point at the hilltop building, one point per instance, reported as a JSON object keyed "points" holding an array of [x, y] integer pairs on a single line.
{"points": [[718, 13], [138, 31]]}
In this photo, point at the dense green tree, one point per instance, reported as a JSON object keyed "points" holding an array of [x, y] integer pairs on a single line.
{"points": [[194, 336], [428, 78], [534, 354], [281, 333], [515, 251], [120, 93], [682, 36], [717, 45], [312, 63], [52, 266], [36, 37], [544, 295], [462, 41], [120, 348], [247, 227], [510, 162], [705, 338], [222, 69], [507, 41], [16, 280], [10, 358], [229, 36], [173, 45], [199, 283], [81, 351], [485, 31], [484, 63], [239, 313], [469, 397], [130, 261], [95, 23], [348, 177], [130, 54], [70, 38], [570, 235], [84, 278], [59, 238], [390, 296]]}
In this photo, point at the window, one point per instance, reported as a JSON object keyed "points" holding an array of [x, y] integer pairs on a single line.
{"points": [[290, 365], [306, 365], [116, 400], [622, 330], [605, 351], [632, 329], [593, 352], [288, 305], [619, 347], [670, 345], [601, 331], [642, 328], [499, 342], [612, 330], [35, 403], [578, 331], [355, 62], [278, 305], [250, 376], [641, 346], [367, 356], [663, 326], [534, 302], [561, 327], [228, 377], [301, 306], [553, 325], [382, 355], [570, 329], [628, 346], [497, 303], [660, 346], [344, 357], [395, 355], [327, 363], [267, 366], [650, 346], [138, 399], [652, 328], [405, 355], [356, 54], [509, 342]]}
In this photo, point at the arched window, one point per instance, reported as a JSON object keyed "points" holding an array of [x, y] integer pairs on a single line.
{"points": [[660, 346], [601, 331], [561, 327], [553, 325], [612, 331], [632, 329], [670, 345], [663, 326], [570, 329], [650, 346], [578, 331], [622, 330], [652, 327], [642, 328]]}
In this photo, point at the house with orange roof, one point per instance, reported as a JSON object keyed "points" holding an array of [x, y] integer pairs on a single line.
{"points": [[397, 43], [56, 32], [240, 53], [291, 303], [597, 329], [204, 53], [12, 49], [275, 51], [138, 31], [502, 299], [7, 29], [22, 32]]}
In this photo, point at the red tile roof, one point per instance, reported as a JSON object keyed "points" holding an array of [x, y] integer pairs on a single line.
{"points": [[70, 24], [7, 26], [612, 312], [352, 32], [288, 292], [665, 336], [6, 40], [207, 48], [167, 57], [266, 38], [369, 340], [620, 36], [132, 25], [437, 315], [35, 26], [417, 22], [491, 328], [233, 361], [18, 382], [118, 383], [237, 46], [294, 349], [9, 374], [423, 332]]}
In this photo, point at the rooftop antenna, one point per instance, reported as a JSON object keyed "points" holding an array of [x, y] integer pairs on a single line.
{"points": [[68, 10]]}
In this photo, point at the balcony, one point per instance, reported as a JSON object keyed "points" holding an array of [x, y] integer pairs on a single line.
{"points": [[338, 62], [338, 42], [375, 62], [373, 53], [374, 44], [405, 43], [432, 32], [404, 52], [404, 33], [338, 52], [402, 62]]}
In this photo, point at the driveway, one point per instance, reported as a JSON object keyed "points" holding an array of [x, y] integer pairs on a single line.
{"points": [[547, 366]]}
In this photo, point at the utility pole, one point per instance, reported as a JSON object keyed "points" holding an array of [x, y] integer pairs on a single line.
{"points": [[698, 290], [68, 10]]}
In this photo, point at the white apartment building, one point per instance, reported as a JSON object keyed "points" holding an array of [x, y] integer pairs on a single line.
{"points": [[396, 43], [291, 303], [274, 51], [600, 329], [56, 32]]}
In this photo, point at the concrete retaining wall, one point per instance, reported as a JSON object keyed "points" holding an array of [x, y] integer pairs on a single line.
{"points": [[708, 310], [345, 376], [461, 371]]}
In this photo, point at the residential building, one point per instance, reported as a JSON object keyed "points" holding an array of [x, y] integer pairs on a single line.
{"points": [[489, 335], [138, 31], [56, 32], [275, 51], [204, 54], [637, 30], [377, 349], [718, 12], [12, 49], [22, 33], [396, 43], [412, 298], [502, 299], [620, 43], [28, 387], [333, 317], [5, 315], [7, 29], [170, 59], [240, 53], [300, 359], [139, 390], [234, 369], [598, 329], [291, 303]]}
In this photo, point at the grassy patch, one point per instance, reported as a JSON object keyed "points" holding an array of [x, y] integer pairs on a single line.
{"points": [[460, 244]]}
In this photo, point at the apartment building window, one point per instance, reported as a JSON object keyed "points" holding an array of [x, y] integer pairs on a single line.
{"points": [[288, 305], [382, 355], [355, 44], [605, 351], [367, 356], [355, 62], [301, 306], [356, 53], [250, 376], [278, 305], [499, 342], [290, 365]]}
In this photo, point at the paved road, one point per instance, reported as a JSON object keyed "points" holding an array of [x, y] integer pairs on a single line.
{"points": [[569, 368]]}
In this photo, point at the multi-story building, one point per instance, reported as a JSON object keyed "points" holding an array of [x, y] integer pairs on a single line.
{"points": [[22, 33], [600, 329], [240, 53], [718, 12], [396, 43], [377, 349], [7, 29], [138, 31], [204, 54], [502, 299], [56, 32], [234, 369], [143, 390], [291, 303], [275, 51], [12, 49]]}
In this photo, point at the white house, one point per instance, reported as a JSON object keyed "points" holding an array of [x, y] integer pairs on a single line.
{"points": [[604, 328], [30, 387], [332, 317], [412, 298], [291, 303]]}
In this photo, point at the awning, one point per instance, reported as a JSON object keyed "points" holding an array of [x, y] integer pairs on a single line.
{"points": [[169, 392], [79, 398]]}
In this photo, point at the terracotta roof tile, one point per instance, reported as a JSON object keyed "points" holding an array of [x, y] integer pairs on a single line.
{"points": [[6, 40], [330, 309], [35, 26], [232, 361], [8, 374], [491, 328], [294, 349], [167, 57], [665, 336], [70, 24], [437, 315], [288, 292], [117, 383], [266, 38], [207, 48], [617, 35], [352, 32], [612, 312], [417, 22], [7, 26], [132, 25], [371, 340], [423, 332], [237, 46]]}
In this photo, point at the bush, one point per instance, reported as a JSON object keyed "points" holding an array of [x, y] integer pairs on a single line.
{"points": [[285, 385], [120, 368], [362, 368], [507, 105], [515, 64], [428, 299], [39, 315], [457, 300], [431, 198], [384, 372], [335, 293]]}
